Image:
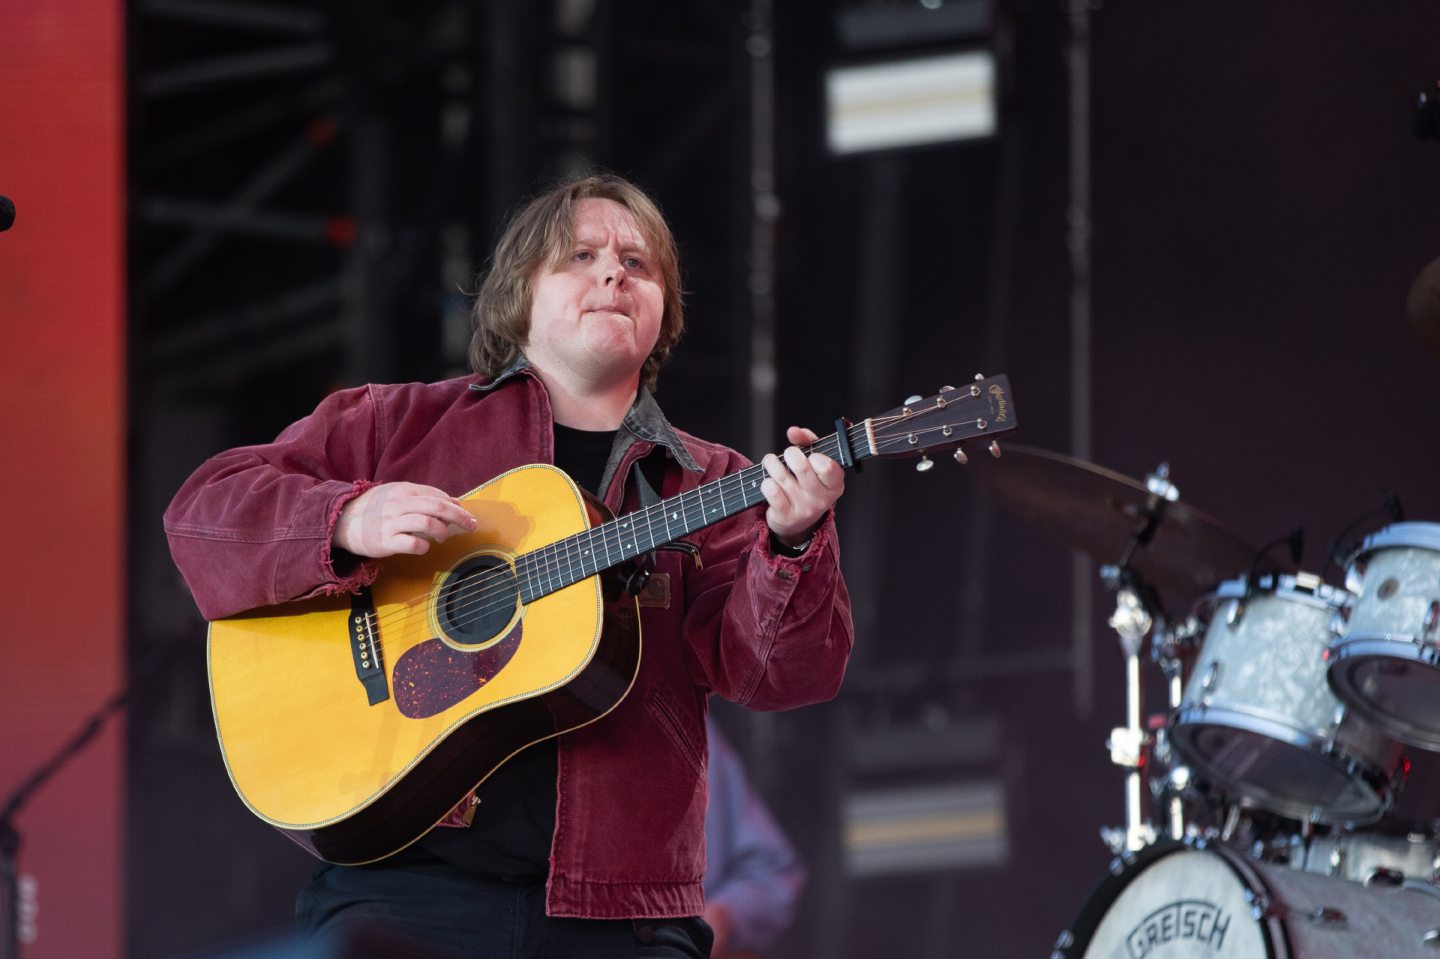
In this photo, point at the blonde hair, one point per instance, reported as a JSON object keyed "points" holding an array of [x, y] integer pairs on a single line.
{"points": [[540, 234]]}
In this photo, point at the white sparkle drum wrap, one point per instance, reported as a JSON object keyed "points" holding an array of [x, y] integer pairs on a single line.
{"points": [[1365, 857], [1386, 665], [1258, 717]]}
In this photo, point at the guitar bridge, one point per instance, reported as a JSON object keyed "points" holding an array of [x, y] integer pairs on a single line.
{"points": [[365, 650]]}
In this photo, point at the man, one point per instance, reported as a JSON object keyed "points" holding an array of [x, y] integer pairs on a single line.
{"points": [[591, 843]]}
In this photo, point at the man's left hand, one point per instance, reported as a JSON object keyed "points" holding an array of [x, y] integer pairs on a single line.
{"points": [[799, 488]]}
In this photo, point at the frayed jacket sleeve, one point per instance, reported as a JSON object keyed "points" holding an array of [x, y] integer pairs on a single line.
{"points": [[766, 631], [252, 526]]}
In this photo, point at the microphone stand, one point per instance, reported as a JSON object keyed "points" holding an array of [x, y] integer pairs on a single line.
{"points": [[10, 841]]}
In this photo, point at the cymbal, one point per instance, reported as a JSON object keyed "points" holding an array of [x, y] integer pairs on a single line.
{"points": [[1099, 511]]}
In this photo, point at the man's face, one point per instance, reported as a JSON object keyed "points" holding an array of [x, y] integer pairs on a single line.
{"points": [[595, 317]]}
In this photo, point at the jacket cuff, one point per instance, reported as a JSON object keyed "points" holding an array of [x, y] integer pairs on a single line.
{"points": [[344, 571], [819, 542]]}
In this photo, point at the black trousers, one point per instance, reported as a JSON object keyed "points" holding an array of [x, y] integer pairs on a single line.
{"points": [[437, 911]]}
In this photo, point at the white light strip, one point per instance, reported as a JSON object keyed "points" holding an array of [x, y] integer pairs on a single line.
{"points": [[910, 102], [925, 828]]}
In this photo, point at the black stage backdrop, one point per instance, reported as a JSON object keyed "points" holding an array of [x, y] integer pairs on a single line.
{"points": [[1260, 208]]}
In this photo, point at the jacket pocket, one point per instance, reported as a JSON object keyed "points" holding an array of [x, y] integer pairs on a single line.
{"points": [[669, 718]]}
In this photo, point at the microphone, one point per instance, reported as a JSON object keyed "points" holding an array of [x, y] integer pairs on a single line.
{"points": [[1422, 305], [7, 213]]}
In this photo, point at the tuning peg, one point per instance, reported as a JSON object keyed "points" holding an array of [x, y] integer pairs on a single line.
{"points": [[995, 448], [924, 465], [960, 456], [913, 399], [979, 377], [947, 389]]}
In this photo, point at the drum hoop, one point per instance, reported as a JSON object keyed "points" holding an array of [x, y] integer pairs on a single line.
{"points": [[1418, 535], [1283, 731], [1346, 653], [1384, 644], [1347, 762], [1323, 596], [1109, 889]]}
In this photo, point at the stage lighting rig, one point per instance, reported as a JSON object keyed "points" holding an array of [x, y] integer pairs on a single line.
{"points": [[914, 72]]}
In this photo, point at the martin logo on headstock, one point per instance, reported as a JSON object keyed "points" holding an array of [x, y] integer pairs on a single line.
{"points": [[949, 418]]}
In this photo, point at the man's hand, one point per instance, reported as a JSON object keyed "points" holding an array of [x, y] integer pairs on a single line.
{"points": [[395, 518], [800, 488]]}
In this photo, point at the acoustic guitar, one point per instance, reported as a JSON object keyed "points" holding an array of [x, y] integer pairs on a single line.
{"points": [[354, 724]]}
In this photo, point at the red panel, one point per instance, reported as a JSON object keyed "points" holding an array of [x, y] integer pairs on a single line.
{"points": [[61, 433]]}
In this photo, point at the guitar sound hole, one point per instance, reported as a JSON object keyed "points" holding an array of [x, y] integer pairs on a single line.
{"points": [[477, 600]]}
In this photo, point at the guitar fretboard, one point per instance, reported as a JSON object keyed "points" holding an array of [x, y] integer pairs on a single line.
{"points": [[551, 568]]}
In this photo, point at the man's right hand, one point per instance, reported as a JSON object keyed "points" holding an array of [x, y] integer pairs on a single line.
{"points": [[395, 518]]}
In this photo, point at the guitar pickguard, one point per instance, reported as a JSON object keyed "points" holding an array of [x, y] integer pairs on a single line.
{"points": [[432, 676]]}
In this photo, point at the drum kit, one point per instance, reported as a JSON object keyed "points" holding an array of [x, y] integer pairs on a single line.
{"points": [[1260, 801]]}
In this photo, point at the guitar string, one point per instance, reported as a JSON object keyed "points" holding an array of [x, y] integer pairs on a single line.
{"points": [[551, 563], [493, 587]]}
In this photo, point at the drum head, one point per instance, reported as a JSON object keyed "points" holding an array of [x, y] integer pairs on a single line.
{"points": [[1175, 902], [1275, 768], [1385, 684], [1188, 902]]}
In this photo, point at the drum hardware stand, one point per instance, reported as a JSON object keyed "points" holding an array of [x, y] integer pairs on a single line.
{"points": [[1127, 743], [1137, 615]]}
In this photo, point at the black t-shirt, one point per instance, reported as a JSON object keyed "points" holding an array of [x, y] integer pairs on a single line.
{"points": [[515, 818]]}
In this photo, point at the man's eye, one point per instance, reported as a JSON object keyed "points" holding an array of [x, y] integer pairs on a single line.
{"points": [[584, 255], [634, 263]]}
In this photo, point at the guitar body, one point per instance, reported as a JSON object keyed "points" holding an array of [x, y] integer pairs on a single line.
{"points": [[355, 724], [466, 680]]}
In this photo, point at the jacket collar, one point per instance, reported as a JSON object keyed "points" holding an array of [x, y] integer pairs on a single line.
{"points": [[644, 420]]}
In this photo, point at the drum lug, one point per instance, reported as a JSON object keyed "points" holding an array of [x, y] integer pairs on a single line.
{"points": [[1235, 614], [1328, 738], [1260, 905], [1388, 878], [1211, 678], [1327, 916], [1427, 626], [1431, 939]]}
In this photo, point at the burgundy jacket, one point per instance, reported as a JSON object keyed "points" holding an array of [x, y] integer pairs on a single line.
{"points": [[252, 527]]}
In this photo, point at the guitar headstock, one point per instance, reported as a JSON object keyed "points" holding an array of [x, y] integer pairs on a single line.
{"points": [[952, 417]]}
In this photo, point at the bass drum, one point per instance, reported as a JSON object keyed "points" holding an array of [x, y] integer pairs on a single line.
{"points": [[1369, 858], [1180, 902]]}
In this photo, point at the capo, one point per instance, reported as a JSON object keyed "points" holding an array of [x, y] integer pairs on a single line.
{"points": [[842, 444]]}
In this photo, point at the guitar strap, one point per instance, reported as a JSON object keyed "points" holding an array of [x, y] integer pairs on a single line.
{"points": [[654, 462], [649, 473]]}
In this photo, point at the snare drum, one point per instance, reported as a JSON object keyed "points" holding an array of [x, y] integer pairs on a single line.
{"points": [[1258, 718], [1386, 665], [1177, 902]]}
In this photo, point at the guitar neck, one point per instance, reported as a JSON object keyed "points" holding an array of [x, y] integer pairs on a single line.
{"points": [[570, 560]]}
